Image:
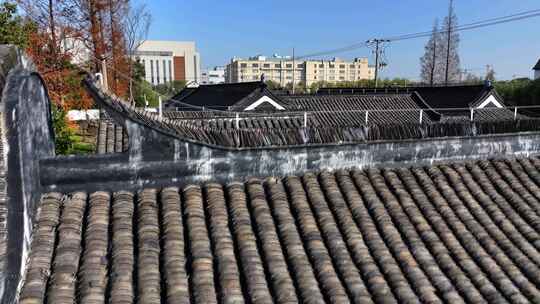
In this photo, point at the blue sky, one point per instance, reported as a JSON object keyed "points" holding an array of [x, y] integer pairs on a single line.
{"points": [[226, 28]]}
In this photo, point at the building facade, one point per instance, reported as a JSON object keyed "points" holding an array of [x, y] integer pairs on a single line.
{"points": [[166, 61], [284, 70], [213, 76]]}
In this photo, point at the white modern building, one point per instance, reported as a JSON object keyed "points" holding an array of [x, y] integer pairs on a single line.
{"points": [[213, 76], [166, 61], [283, 70]]}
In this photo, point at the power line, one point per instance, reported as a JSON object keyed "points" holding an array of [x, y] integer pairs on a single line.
{"points": [[464, 27], [428, 33]]}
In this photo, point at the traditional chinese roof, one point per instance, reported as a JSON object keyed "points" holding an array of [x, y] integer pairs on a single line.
{"points": [[263, 130], [537, 66], [176, 220], [459, 233], [215, 96]]}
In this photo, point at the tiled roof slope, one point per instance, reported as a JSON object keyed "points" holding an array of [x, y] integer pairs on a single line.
{"points": [[214, 96], [459, 96], [111, 138], [283, 131], [455, 233]]}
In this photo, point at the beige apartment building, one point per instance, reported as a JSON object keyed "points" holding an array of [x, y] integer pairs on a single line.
{"points": [[282, 70]]}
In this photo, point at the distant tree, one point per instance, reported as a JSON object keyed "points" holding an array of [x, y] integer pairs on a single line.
{"points": [[431, 62], [13, 30], [272, 85], [143, 92], [471, 79], [136, 25], [168, 90], [450, 46], [520, 92], [299, 88], [490, 75]]}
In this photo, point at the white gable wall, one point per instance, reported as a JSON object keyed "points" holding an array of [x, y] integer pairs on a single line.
{"points": [[490, 100], [262, 100]]}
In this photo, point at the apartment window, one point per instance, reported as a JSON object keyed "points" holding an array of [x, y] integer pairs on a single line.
{"points": [[255, 71], [255, 65], [341, 66], [288, 65], [288, 77], [331, 66], [243, 65], [341, 78], [315, 77], [342, 71], [278, 65], [352, 66], [300, 66], [331, 78], [157, 71], [266, 65], [170, 71], [321, 65], [164, 71], [152, 70]]}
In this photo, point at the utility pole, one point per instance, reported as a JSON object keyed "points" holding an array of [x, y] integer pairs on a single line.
{"points": [[449, 34], [377, 43], [293, 67]]}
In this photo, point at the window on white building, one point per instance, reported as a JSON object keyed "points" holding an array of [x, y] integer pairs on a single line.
{"points": [[164, 71], [157, 71], [170, 71], [152, 71]]}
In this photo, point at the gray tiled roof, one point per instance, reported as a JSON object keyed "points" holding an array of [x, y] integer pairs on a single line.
{"points": [[111, 138], [459, 233]]}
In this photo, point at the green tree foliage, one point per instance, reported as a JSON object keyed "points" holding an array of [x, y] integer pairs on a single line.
{"points": [[66, 141], [143, 93], [272, 85], [62, 132], [520, 92], [170, 89], [395, 82], [13, 29]]}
